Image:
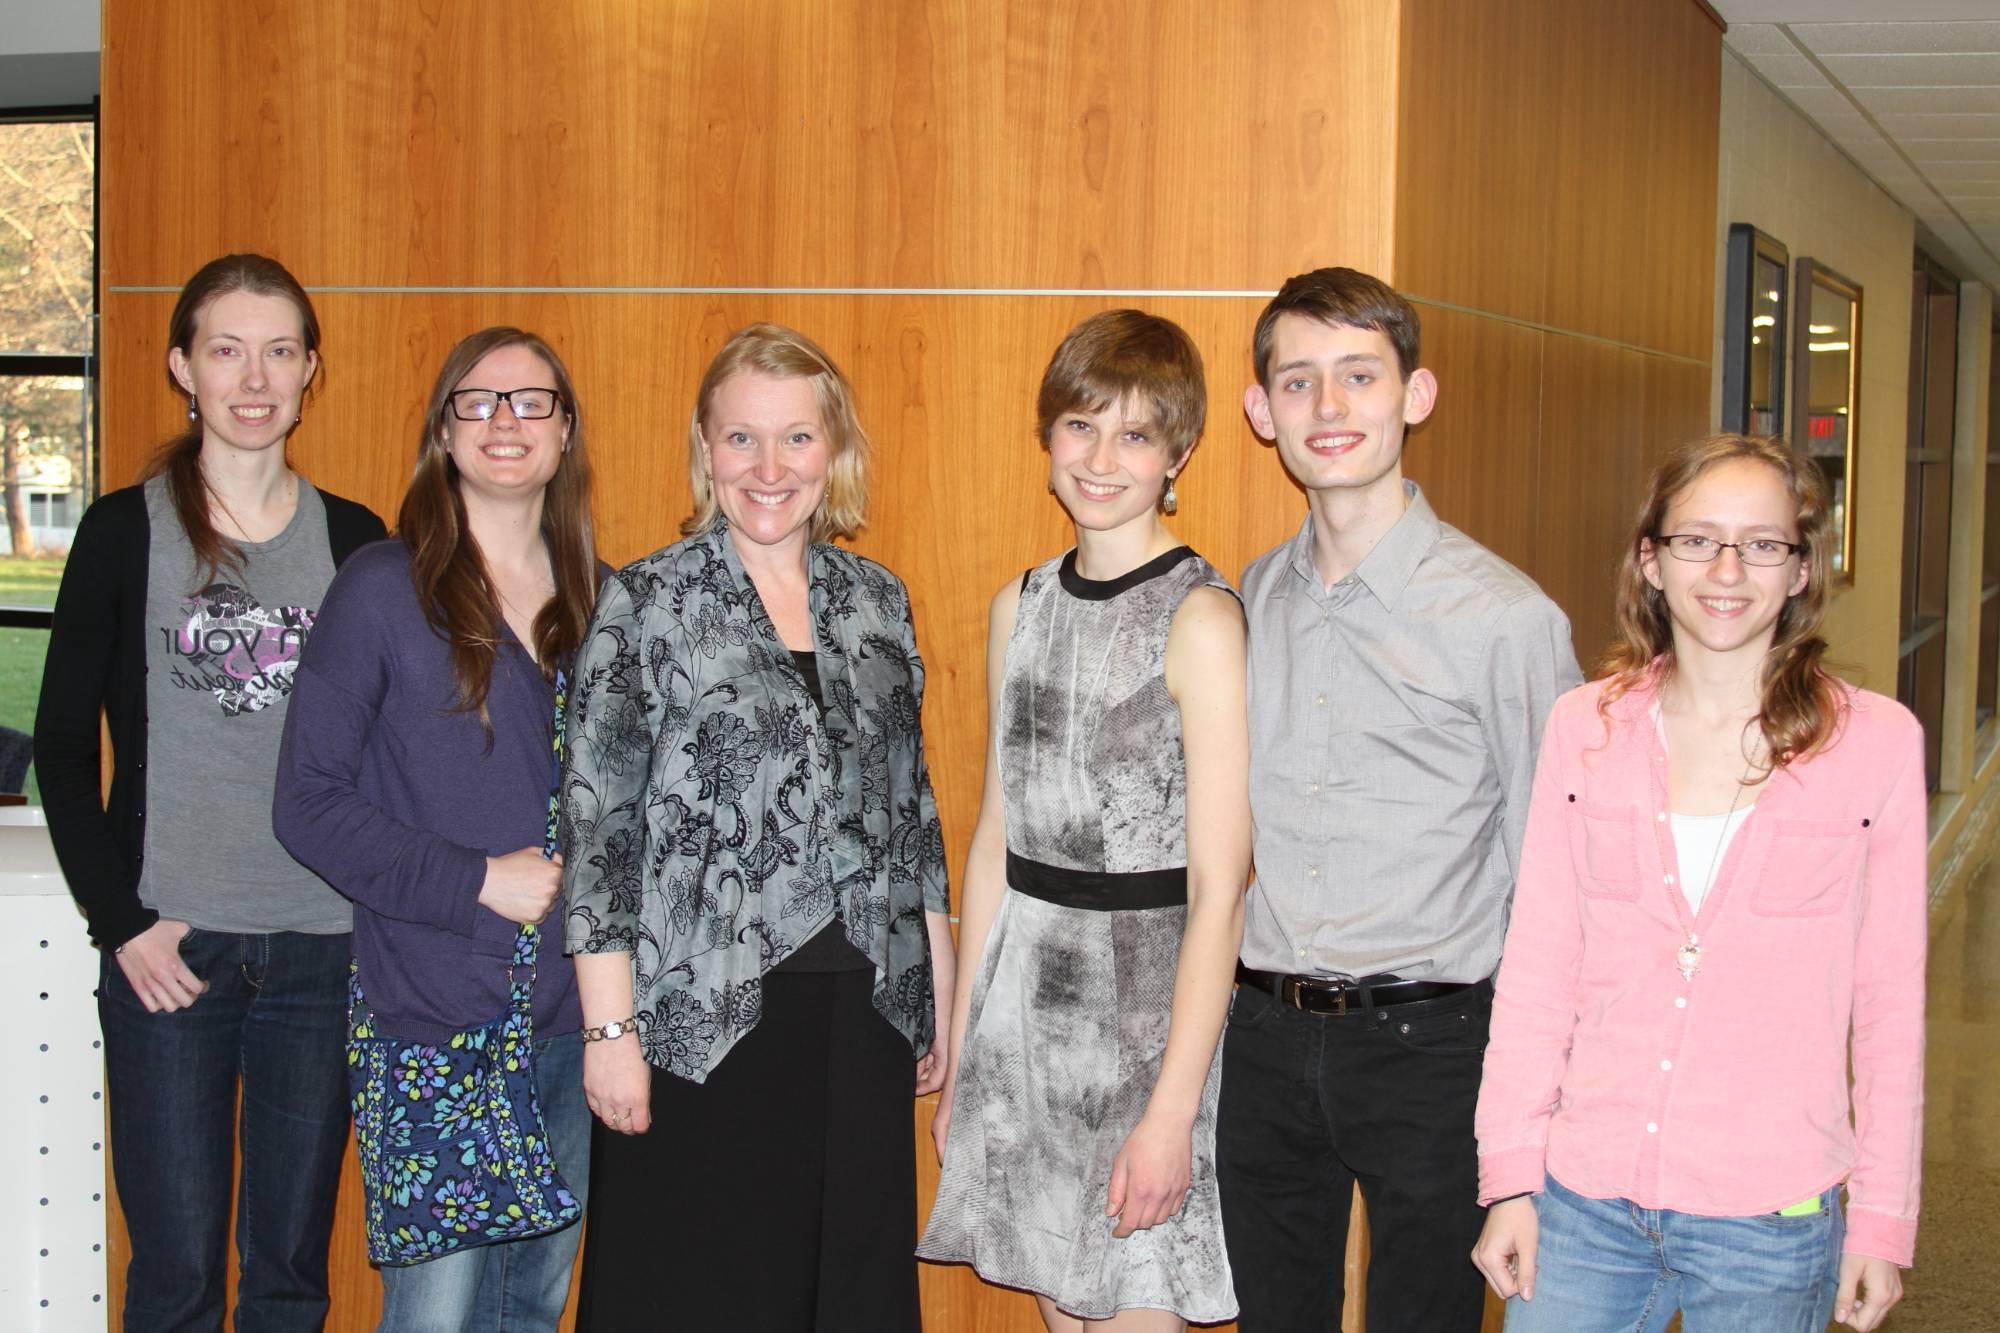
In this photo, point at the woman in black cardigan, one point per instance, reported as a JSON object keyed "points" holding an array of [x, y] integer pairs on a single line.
{"points": [[184, 605]]}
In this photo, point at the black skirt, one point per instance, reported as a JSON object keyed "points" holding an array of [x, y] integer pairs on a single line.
{"points": [[777, 1197]]}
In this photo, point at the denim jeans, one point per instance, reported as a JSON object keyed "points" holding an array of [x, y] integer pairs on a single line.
{"points": [[275, 1014], [513, 1286], [1607, 1264]]}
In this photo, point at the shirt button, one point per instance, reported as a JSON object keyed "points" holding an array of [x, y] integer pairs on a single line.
{"points": [[1321, 700], [1680, 1002], [1670, 879], [1313, 787], [1302, 953], [1666, 1064], [1662, 816], [1312, 871], [1652, 1128]]}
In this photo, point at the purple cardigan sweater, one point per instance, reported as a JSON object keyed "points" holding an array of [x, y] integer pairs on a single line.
{"points": [[396, 799]]}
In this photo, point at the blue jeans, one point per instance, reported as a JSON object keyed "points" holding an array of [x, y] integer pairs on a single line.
{"points": [[275, 1015], [514, 1286], [1607, 1264]]}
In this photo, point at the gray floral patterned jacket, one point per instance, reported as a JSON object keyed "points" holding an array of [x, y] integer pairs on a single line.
{"points": [[713, 822]]}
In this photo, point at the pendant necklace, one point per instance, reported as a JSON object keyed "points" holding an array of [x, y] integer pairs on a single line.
{"points": [[1688, 957]]}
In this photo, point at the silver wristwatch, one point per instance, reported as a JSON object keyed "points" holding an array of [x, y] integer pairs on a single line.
{"points": [[613, 1030]]}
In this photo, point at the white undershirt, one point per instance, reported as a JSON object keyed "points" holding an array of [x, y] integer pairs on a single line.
{"points": [[1700, 842]]}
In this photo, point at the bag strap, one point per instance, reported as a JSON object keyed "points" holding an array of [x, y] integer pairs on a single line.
{"points": [[527, 945]]}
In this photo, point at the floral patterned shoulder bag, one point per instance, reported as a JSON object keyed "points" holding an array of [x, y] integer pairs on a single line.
{"points": [[449, 1133]]}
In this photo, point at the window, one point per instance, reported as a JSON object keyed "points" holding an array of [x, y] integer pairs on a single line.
{"points": [[1920, 674], [1989, 568], [48, 393]]}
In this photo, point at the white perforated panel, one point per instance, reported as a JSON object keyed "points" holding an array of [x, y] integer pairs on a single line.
{"points": [[52, 1267]]}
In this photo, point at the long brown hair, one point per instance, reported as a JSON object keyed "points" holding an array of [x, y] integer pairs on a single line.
{"points": [[445, 564], [1801, 705], [783, 353], [179, 459]]}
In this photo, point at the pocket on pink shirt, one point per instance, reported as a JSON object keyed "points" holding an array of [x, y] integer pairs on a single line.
{"points": [[1604, 842], [1810, 867]]}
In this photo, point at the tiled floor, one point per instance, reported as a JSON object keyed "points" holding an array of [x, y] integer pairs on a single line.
{"points": [[1955, 1287]]}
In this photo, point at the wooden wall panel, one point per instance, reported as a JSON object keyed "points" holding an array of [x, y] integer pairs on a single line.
{"points": [[1592, 468], [1479, 455], [1039, 143], [1556, 162], [429, 170]]}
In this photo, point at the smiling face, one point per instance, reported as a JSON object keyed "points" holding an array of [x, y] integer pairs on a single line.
{"points": [[248, 367], [1725, 606], [766, 453], [1106, 467], [505, 457], [1337, 405]]}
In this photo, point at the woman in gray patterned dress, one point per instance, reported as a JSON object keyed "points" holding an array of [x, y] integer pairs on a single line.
{"points": [[1103, 894]]}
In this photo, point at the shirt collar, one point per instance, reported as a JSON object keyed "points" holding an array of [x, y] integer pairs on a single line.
{"points": [[1387, 569]]}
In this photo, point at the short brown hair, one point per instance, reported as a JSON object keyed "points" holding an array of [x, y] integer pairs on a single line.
{"points": [[773, 349], [1120, 354], [1340, 296]]}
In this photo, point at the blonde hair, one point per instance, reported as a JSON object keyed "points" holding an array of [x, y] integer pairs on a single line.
{"points": [[773, 349], [1801, 704]]}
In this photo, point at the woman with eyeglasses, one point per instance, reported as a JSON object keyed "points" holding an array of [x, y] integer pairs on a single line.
{"points": [[755, 885], [1721, 902], [417, 769], [183, 609]]}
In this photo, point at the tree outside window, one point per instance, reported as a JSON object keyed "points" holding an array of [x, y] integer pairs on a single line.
{"points": [[48, 244]]}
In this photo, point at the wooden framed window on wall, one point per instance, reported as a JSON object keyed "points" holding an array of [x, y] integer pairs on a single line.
{"points": [[1926, 584], [48, 396], [1754, 331], [1988, 696], [1826, 391]]}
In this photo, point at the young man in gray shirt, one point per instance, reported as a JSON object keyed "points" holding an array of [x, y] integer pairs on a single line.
{"points": [[1400, 674]]}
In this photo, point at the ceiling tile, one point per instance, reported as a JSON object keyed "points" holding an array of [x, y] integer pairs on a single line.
{"points": [[1947, 174], [1879, 38], [1782, 71], [1826, 100], [1954, 98], [1912, 71], [1762, 37], [1980, 126], [1937, 152]]}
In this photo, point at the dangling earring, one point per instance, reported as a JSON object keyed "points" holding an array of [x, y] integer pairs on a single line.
{"points": [[193, 415], [1169, 502]]}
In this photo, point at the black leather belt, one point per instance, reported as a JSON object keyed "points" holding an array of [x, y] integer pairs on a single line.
{"points": [[1339, 995]]}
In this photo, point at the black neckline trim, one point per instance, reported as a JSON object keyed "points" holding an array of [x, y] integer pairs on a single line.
{"points": [[1103, 590]]}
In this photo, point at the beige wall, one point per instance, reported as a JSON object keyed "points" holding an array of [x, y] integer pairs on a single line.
{"points": [[1781, 175]]}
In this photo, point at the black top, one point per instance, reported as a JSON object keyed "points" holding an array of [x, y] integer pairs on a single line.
{"points": [[97, 664], [829, 949]]}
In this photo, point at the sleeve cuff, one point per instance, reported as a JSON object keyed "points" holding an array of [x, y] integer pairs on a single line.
{"points": [[1513, 1171], [469, 876], [1881, 1237], [113, 928]]}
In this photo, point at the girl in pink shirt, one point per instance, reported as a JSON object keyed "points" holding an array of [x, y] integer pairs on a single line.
{"points": [[1721, 901]]}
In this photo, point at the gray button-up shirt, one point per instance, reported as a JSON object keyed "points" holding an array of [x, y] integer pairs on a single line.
{"points": [[1394, 723]]}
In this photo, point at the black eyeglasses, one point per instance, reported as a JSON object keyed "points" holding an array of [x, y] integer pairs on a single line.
{"points": [[1767, 551], [484, 404]]}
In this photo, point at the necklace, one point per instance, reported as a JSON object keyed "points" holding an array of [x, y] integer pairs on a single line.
{"points": [[1688, 957]]}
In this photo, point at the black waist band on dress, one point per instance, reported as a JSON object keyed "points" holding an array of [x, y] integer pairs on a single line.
{"points": [[1098, 890]]}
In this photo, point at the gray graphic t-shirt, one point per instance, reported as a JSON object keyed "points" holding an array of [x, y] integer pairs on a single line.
{"points": [[220, 658]]}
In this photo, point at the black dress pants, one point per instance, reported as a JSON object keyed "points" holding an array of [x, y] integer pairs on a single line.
{"points": [[1312, 1104], [778, 1197]]}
